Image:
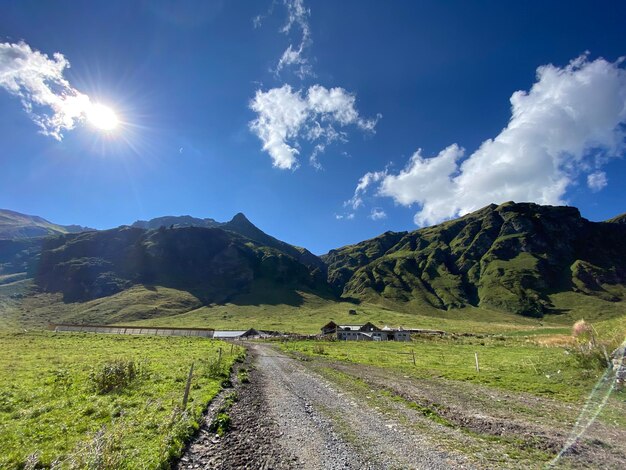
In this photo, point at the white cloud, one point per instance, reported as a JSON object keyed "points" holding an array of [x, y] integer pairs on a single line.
{"points": [[425, 181], [378, 214], [597, 181], [53, 104], [572, 119], [361, 188], [298, 16], [281, 115], [285, 116]]}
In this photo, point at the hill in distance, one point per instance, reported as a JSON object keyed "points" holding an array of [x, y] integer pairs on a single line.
{"points": [[14, 225]]}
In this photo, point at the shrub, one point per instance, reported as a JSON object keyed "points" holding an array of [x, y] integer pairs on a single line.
{"points": [[244, 376], [115, 375], [590, 353], [220, 424], [319, 349], [215, 369]]}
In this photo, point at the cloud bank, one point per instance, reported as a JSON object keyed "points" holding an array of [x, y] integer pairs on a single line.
{"points": [[286, 116], [570, 123], [48, 98]]}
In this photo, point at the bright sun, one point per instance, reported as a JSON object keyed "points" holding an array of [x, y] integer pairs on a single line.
{"points": [[102, 117]]}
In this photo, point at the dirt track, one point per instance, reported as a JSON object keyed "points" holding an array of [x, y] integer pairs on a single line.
{"points": [[324, 415]]}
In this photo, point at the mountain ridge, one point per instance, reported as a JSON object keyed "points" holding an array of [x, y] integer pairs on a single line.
{"points": [[510, 257], [15, 225]]}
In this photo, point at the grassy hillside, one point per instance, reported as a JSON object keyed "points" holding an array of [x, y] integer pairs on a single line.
{"points": [[211, 264], [14, 225], [511, 257], [54, 405], [483, 272], [295, 311]]}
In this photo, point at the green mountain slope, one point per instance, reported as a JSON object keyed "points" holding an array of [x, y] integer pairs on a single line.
{"points": [[511, 257], [213, 264], [14, 225]]}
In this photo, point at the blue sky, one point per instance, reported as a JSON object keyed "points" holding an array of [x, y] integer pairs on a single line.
{"points": [[362, 86]]}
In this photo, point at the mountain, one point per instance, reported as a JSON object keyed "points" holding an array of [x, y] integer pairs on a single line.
{"points": [[241, 225], [620, 219], [212, 263], [176, 221], [509, 257], [14, 225], [238, 224]]}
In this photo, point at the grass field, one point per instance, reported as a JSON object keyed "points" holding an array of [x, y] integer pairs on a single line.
{"points": [[56, 403], [298, 312], [515, 364], [51, 410]]}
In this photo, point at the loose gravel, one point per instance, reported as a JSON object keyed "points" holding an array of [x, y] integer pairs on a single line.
{"points": [[290, 417]]}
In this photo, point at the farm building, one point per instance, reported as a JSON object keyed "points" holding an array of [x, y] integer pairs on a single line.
{"points": [[366, 332], [238, 334]]}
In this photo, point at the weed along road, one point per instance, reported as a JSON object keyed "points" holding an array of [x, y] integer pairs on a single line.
{"points": [[289, 416], [293, 410]]}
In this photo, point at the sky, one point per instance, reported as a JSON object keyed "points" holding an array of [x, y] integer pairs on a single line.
{"points": [[326, 123]]}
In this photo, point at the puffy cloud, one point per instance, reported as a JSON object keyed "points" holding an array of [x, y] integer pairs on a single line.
{"points": [[285, 116], [281, 115], [425, 180], [378, 214], [53, 104], [572, 119], [597, 181]]}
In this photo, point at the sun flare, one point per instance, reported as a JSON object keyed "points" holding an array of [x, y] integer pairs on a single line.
{"points": [[102, 117]]}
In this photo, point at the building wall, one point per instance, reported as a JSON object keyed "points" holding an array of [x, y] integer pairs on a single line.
{"points": [[133, 331], [352, 336], [376, 336]]}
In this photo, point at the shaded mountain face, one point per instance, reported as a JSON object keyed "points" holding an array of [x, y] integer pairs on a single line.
{"points": [[509, 257], [16, 226], [176, 221], [19, 255], [242, 226], [213, 264], [620, 219]]}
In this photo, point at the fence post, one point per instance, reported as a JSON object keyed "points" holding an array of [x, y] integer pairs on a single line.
{"points": [[413, 354], [231, 348], [187, 387], [219, 358], [477, 366]]}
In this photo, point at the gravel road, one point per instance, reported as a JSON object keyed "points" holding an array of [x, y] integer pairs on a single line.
{"points": [[314, 413], [288, 416]]}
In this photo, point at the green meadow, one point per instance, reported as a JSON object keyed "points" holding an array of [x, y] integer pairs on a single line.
{"points": [[100, 401], [510, 363]]}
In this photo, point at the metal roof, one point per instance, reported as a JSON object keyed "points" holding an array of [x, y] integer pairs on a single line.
{"points": [[228, 334]]}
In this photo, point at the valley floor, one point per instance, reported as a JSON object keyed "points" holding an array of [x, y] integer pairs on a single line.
{"points": [[299, 411]]}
